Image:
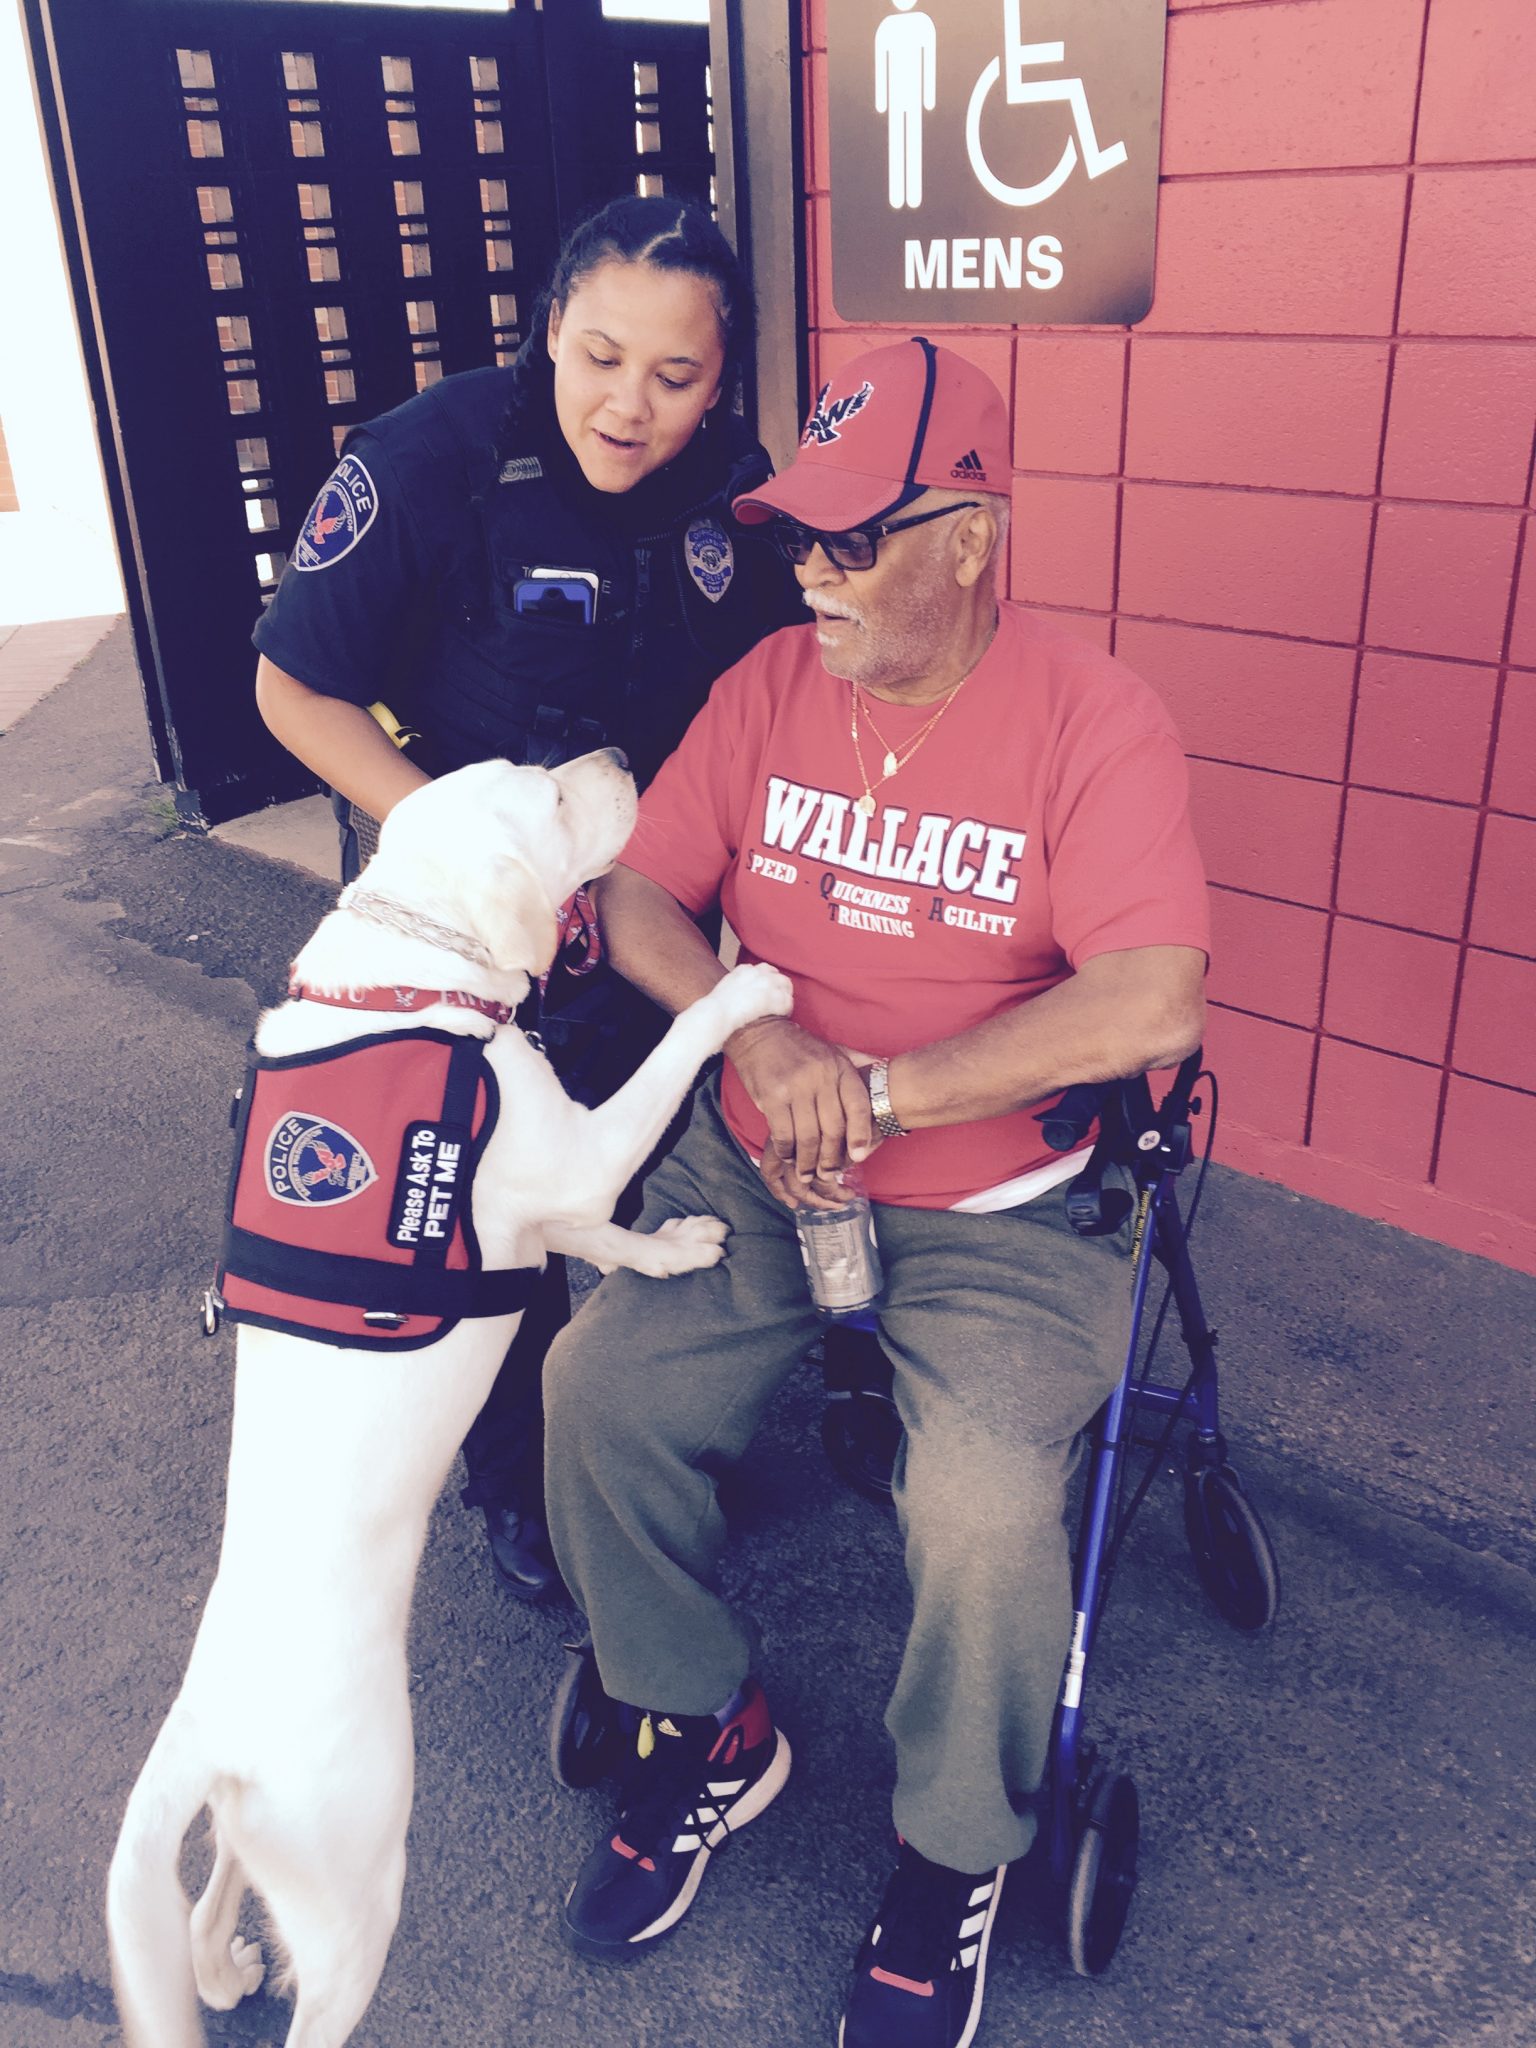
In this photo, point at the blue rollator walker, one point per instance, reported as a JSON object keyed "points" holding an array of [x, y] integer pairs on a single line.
{"points": [[1091, 1816]]}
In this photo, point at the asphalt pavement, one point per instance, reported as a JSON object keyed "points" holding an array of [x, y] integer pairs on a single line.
{"points": [[1337, 1817]]}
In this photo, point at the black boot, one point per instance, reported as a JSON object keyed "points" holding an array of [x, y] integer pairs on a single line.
{"points": [[520, 1552], [504, 1450]]}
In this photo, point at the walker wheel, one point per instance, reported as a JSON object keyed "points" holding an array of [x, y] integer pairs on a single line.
{"points": [[584, 1736], [1103, 1874], [1234, 1558], [861, 1435]]}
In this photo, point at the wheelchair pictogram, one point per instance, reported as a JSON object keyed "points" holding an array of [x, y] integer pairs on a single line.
{"points": [[1020, 57]]}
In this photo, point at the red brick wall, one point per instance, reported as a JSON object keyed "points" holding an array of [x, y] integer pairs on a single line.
{"points": [[1294, 499]]}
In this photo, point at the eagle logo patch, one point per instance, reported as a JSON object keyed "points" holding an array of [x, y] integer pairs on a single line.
{"points": [[339, 517], [309, 1160]]}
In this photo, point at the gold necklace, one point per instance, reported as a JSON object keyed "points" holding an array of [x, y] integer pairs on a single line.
{"points": [[865, 805]]}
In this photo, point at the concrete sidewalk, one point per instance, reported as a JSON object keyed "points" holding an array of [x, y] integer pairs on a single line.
{"points": [[1337, 1818]]}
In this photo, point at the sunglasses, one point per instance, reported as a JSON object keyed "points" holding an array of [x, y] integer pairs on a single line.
{"points": [[855, 550]]}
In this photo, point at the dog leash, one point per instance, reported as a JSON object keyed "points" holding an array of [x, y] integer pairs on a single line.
{"points": [[577, 921], [397, 999], [579, 948]]}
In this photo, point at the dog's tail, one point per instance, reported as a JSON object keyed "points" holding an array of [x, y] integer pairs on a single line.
{"points": [[148, 1915]]}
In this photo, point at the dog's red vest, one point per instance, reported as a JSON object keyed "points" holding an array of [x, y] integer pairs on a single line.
{"points": [[349, 1212]]}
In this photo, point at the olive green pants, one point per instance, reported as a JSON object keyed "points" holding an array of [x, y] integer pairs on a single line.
{"points": [[1006, 1333]]}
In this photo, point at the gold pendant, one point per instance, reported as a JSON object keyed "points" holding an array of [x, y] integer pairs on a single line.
{"points": [[865, 806], [889, 764]]}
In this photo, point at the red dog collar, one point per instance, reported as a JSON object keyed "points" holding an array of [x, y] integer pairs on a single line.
{"points": [[397, 1000]]}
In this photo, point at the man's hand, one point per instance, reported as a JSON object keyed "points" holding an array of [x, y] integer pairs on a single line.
{"points": [[816, 1102]]}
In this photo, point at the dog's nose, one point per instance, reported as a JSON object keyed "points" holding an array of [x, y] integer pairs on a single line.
{"points": [[618, 757]]}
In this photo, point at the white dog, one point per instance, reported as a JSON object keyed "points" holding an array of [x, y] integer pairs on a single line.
{"points": [[293, 1724]]}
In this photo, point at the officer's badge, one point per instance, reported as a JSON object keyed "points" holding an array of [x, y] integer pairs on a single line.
{"points": [[711, 561], [309, 1160], [339, 517]]}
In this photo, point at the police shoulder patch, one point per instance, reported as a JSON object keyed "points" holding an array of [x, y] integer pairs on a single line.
{"points": [[339, 517], [310, 1160], [710, 557]]}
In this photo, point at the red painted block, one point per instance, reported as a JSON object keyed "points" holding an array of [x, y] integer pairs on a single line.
{"points": [[1390, 989], [1272, 834], [1063, 543], [1291, 87], [1275, 564], [1305, 255], [1487, 1146], [1068, 400], [1514, 760], [1245, 697], [1094, 627], [1522, 634], [1423, 727], [818, 263], [1504, 901], [1291, 415], [818, 134], [1494, 1039], [1470, 266], [1375, 1109], [815, 24], [1266, 956], [1406, 861], [1476, 100], [1461, 422], [1265, 1071], [1440, 580]]}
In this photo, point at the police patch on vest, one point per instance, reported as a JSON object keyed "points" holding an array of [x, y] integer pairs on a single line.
{"points": [[339, 517], [429, 1186], [309, 1161], [710, 557]]}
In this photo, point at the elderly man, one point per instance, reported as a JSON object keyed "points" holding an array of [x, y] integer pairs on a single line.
{"points": [[963, 834]]}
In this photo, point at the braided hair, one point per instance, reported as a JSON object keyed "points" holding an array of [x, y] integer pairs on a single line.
{"points": [[671, 234]]}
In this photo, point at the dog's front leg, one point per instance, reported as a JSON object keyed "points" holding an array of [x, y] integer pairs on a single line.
{"points": [[682, 1244], [621, 1135]]}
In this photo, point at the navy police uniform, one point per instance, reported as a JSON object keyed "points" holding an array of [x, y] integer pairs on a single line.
{"points": [[413, 582]]}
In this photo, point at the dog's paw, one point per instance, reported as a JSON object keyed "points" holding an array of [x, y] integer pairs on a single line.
{"points": [[754, 991], [236, 1976], [683, 1244]]}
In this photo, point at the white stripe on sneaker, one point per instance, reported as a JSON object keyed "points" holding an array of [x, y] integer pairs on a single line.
{"points": [[761, 1795]]}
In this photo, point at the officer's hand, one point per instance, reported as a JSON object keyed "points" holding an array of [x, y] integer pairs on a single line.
{"points": [[817, 1106]]}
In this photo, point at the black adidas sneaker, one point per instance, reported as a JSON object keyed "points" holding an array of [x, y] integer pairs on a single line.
{"points": [[920, 1973], [688, 1785]]}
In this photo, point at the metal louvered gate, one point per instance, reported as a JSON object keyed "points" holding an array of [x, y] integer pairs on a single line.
{"points": [[285, 216]]}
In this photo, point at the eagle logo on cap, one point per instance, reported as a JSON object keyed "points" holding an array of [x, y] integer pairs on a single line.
{"points": [[826, 420]]}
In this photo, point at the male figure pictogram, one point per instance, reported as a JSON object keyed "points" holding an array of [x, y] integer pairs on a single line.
{"points": [[905, 71]]}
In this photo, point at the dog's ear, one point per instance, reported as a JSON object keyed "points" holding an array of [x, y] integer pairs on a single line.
{"points": [[515, 918]]}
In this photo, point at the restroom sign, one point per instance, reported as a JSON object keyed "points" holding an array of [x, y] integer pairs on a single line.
{"points": [[994, 160]]}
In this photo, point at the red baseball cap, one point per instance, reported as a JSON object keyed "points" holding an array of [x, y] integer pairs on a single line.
{"points": [[893, 423]]}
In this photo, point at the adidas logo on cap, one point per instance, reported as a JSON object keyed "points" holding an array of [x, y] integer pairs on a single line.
{"points": [[970, 468]]}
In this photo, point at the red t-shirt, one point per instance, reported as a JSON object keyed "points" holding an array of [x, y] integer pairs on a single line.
{"points": [[1044, 820]]}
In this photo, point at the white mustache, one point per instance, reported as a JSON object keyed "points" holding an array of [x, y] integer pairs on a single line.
{"points": [[823, 610]]}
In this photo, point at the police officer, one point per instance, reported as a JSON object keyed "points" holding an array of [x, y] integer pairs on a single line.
{"points": [[532, 562]]}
